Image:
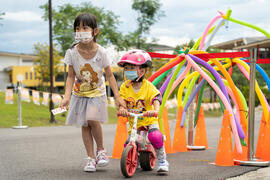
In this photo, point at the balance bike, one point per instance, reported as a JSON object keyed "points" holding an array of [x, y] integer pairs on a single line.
{"points": [[138, 147]]}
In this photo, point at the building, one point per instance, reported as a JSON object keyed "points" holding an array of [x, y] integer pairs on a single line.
{"points": [[7, 60], [160, 48], [13, 65], [262, 43]]}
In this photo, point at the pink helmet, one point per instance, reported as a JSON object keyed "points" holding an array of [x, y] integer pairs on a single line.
{"points": [[136, 57]]}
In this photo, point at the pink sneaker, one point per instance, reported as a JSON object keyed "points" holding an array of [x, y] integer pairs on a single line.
{"points": [[102, 158], [90, 165]]}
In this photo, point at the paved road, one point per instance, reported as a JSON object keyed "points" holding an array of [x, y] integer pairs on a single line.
{"points": [[58, 153]]}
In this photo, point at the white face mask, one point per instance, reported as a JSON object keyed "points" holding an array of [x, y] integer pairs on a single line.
{"points": [[84, 37]]}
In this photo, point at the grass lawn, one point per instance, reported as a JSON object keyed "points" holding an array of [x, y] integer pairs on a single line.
{"points": [[34, 115]]}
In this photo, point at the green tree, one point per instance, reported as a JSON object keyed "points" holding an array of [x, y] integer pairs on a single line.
{"points": [[148, 13], [1, 14], [63, 18], [189, 45], [41, 63]]}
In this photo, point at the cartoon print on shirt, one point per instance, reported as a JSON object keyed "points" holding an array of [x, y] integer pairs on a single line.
{"points": [[130, 103], [140, 104], [135, 106], [88, 79]]}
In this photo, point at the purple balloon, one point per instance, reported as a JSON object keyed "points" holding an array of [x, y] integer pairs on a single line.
{"points": [[165, 84], [190, 100], [222, 87]]}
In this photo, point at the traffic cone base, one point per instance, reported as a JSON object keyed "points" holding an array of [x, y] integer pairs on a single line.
{"points": [[200, 134], [167, 141], [243, 155], [224, 155], [260, 142], [120, 137], [266, 145], [179, 140]]}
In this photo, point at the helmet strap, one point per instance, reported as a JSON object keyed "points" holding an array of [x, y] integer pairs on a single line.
{"points": [[138, 72]]}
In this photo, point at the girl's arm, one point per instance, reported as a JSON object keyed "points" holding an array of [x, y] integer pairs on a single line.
{"points": [[110, 77], [69, 85], [156, 105]]}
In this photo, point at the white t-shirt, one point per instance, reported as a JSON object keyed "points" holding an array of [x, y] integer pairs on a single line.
{"points": [[89, 80]]}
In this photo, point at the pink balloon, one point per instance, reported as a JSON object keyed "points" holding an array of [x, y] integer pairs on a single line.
{"points": [[244, 71], [179, 79], [223, 99], [206, 31], [235, 102]]}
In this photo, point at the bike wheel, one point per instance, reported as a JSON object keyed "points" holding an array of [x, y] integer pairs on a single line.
{"points": [[147, 160], [128, 165]]}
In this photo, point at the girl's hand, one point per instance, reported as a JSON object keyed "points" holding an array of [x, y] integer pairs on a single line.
{"points": [[151, 113], [123, 111], [64, 103], [119, 102]]}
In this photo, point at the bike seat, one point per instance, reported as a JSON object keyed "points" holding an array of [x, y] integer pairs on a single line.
{"points": [[143, 128]]}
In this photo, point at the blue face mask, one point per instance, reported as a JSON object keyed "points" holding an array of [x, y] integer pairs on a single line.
{"points": [[131, 75]]}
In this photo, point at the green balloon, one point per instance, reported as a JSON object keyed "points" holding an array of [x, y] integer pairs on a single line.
{"points": [[250, 25], [166, 93], [160, 77]]}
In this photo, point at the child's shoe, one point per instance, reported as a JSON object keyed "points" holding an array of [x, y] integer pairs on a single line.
{"points": [[90, 165], [102, 158], [163, 166]]}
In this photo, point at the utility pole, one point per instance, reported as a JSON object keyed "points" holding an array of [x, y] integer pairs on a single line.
{"points": [[52, 120]]}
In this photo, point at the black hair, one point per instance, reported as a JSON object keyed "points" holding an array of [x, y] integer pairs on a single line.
{"points": [[86, 19]]}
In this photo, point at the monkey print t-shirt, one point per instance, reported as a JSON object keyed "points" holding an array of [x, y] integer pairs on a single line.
{"points": [[89, 80]]}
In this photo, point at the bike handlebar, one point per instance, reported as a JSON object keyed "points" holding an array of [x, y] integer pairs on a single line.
{"points": [[138, 115]]}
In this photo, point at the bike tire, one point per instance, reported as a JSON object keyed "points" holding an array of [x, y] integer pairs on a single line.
{"points": [[128, 167], [147, 161]]}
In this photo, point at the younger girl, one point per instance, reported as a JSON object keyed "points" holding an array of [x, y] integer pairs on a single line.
{"points": [[88, 102], [145, 98]]}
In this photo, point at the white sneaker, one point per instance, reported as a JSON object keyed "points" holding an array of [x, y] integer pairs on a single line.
{"points": [[90, 165], [163, 166], [102, 158]]}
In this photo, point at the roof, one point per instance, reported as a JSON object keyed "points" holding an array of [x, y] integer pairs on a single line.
{"points": [[244, 43], [161, 47], [32, 56]]}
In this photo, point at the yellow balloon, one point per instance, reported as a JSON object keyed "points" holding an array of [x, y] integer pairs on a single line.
{"points": [[257, 90]]}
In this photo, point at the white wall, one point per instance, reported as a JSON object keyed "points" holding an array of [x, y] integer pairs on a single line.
{"points": [[3, 80], [6, 61]]}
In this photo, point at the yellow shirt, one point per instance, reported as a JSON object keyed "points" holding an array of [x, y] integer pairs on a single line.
{"points": [[140, 101]]}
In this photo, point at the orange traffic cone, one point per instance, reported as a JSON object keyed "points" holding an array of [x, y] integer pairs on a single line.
{"points": [[266, 144], [244, 155], [260, 142], [224, 156], [168, 144], [120, 137], [179, 139], [200, 135]]}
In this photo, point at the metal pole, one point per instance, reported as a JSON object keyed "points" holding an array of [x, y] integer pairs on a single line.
{"points": [[19, 105], [191, 112], [251, 161], [20, 126], [190, 120], [251, 105], [51, 61]]}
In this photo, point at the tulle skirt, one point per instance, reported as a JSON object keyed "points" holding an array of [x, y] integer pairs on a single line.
{"points": [[83, 109]]}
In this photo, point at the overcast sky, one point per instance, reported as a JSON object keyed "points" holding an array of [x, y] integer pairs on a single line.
{"points": [[23, 26]]}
